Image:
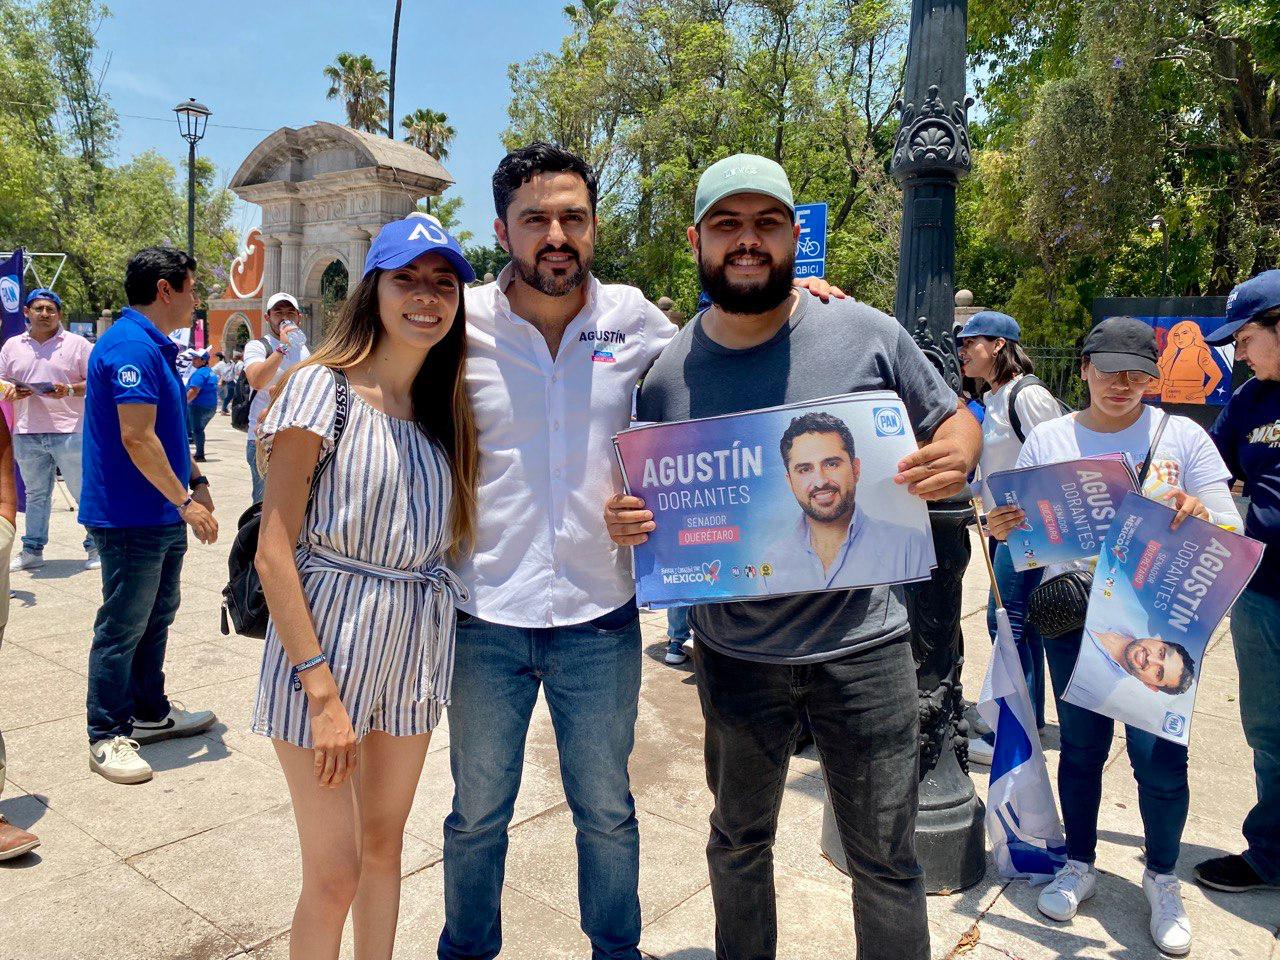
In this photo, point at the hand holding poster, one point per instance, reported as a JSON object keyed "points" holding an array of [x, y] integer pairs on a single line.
{"points": [[783, 500], [1157, 597], [1069, 507]]}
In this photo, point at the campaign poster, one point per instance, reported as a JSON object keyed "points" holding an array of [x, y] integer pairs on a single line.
{"points": [[1191, 371], [792, 499], [1157, 597], [1069, 507]]}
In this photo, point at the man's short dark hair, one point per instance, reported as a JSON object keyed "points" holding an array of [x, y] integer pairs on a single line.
{"points": [[815, 423], [1188, 670], [1267, 319], [520, 166], [148, 267]]}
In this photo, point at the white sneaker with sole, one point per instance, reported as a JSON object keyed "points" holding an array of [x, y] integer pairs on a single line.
{"points": [[91, 559], [117, 760], [26, 560], [1073, 885], [179, 723], [1170, 925]]}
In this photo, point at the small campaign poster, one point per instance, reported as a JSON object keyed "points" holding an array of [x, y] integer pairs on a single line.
{"points": [[791, 499], [1069, 507], [1157, 597]]}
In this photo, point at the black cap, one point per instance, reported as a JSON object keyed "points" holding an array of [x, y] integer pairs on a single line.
{"points": [[1122, 343]]}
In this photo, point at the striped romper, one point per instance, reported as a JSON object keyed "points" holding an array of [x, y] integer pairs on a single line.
{"points": [[371, 559]]}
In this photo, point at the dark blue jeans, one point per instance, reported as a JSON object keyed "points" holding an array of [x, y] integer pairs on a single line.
{"points": [[141, 576], [862, 710], [1015, 590], [590, 675], [1255, 630], [678, 624], [1159, 766], [199, 418]]}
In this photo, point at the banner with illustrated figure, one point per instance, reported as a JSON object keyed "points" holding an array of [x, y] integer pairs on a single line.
{"points": [[790, 499], [1069, 507], [1157, 597]]}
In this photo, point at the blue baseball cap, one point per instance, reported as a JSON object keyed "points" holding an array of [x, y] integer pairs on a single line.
{"points": [[44, 293], [991, 323], [1256, 295], [403, 241]]}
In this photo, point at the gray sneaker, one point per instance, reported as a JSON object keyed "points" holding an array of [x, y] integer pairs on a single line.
{"points": [[27, 560], [91, 559], [179, 723]]}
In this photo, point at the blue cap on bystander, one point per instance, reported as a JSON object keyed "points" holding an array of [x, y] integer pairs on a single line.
{"points": [[1256, 295]]}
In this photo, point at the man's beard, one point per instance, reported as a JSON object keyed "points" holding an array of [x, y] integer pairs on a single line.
{"points": [[750, 298], [553, 286], [842, 508]]}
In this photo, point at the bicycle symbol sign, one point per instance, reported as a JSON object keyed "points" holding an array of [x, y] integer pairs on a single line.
{"points": [[811, 246]]}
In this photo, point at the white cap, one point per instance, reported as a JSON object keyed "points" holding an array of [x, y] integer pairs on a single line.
{"points": [[276, 298]]}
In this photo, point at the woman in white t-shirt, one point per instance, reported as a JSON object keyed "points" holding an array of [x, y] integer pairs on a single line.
{"points": [[1187, 472], [991, 351]]}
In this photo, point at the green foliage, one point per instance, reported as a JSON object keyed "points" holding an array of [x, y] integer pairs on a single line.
{"points": [[429, 131], [362, 88], [488, 259], [59, 189]]}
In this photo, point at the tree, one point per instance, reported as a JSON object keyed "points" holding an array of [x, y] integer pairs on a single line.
{"points": [[429, 131], [362, 87], [391, 92], [446, 214], [588, 13]]}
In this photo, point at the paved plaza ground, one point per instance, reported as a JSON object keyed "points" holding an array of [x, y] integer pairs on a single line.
{"points": [[202, 861]]}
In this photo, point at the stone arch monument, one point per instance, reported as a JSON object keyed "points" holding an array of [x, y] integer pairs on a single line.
{"points": [[325, 190]]}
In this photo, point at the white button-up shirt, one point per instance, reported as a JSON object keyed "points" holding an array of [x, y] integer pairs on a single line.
{"points": [[547, 465]]}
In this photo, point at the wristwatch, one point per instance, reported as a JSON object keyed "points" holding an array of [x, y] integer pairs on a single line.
{"points": [[197, 481]]}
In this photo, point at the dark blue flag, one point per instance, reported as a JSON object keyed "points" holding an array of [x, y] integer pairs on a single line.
{"points": [[12, 322]]}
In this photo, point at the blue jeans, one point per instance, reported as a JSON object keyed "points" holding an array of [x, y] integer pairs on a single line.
{"points": [[224, 395], [1255, 630], [1015, 590], [678, 624], [251, 453], [38, 457], [1159, 766], [141, 575], [199, 418], [590, 675]]}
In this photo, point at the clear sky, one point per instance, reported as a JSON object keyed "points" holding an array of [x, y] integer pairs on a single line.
{"points": [[257, 63]]}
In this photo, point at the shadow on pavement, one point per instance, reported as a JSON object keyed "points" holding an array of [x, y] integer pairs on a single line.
{"points": [[187, 751]]}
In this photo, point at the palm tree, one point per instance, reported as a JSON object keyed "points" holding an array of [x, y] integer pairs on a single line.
{"points": [[429, 131], [391, 96], [361, 86]]}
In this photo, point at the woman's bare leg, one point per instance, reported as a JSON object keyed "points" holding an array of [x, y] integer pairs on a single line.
{"points": [[385, 782], [327, 832]]}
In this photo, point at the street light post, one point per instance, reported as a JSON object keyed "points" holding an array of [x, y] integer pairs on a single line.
{"points": [[193, 118], [930, 155]]}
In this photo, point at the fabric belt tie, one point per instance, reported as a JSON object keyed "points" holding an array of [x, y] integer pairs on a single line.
{"points": [[443, 591]]}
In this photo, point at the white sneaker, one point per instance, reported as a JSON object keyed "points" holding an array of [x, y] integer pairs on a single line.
{"points": [[179, 723], [980, 752], [91, 559], [1073, 885], [117, 760], [1170, 925], [26, 560]]}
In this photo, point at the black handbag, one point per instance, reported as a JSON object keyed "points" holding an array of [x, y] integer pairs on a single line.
{"points": [[1059, 605], [244, 608]]}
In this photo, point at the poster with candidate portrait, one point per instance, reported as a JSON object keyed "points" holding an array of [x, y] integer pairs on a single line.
{"points": [[1069, 507], [791, 499], [1157, 597]]}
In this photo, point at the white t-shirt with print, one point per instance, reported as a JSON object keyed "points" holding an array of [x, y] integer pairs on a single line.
{"points": [[1186, 459], [1000, 444], [256, 351]]}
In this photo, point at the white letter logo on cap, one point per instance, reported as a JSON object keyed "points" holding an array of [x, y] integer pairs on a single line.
{"points": [[428, 231]]}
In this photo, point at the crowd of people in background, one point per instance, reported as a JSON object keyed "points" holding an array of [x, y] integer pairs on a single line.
{"points": [[441, 533]]}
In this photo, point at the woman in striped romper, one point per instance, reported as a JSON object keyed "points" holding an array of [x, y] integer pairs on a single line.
{"points": [[352, 553]]}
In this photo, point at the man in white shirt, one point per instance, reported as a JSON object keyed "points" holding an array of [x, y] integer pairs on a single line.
{"points": [[268, 359], [222, 370]]}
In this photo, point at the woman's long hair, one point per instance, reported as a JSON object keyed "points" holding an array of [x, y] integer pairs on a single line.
{"points": [[1009, 361], [441, 407]]}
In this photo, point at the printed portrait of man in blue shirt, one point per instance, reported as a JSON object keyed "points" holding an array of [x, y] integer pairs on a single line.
{"points": [[833, 542]]}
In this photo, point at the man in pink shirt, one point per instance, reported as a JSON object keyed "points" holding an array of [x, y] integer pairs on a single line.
{"points": [[42, 372]]}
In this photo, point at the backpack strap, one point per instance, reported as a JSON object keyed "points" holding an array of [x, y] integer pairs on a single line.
{"points": [[1014, 420]]}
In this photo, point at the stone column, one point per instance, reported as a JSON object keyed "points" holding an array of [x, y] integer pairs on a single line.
{"points": [[357, 250]]}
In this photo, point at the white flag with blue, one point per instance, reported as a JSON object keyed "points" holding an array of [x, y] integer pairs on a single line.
{"points": [[1022, 817]]}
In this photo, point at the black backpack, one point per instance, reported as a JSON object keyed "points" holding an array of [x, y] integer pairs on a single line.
{"points": [[241, 399], [244, 608], [1014, 421]]}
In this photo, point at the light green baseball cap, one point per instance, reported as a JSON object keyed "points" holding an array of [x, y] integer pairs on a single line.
{"points": [[741, 173]]}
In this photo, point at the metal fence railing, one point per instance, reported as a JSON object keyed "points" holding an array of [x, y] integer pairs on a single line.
{"points": [[1059, 368]]}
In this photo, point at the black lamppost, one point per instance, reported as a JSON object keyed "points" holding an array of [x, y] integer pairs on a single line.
{"points": [[930, 155], [193, 117]]}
